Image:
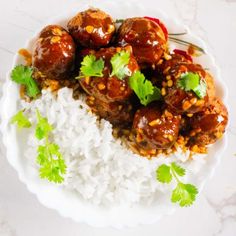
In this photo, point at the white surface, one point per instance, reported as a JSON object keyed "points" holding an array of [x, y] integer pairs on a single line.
{"points": [[215, 211]]}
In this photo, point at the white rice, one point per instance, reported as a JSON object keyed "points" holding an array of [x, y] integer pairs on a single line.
{"points": [[99, 168]]}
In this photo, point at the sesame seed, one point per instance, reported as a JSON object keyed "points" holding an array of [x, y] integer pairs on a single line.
{"points": [[87, 80], [89, 29], [101, 86], [169, 83], [167, 56], [55, 39], [199, 103], [57, 31], [189, 115], [166, 70], [110, 29], [193, 100], [155, 122], [163, 91], [186, 105]]}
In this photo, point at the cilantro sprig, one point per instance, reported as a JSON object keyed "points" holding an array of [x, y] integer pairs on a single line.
{"points": [[23, 75], [192, 82], [144, 88], [43, 128], [184, 194], [50, 159], [90, 66], [20, 120], [52, 164], [119, 64]]}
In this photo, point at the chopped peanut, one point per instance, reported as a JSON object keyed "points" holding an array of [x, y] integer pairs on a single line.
{"points": [[155, 122], [89, 29], [101, 86], [55, 39]]}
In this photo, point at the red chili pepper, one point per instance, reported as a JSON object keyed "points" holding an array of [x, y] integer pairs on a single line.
{"points": [[163, 27], [183, 53]]}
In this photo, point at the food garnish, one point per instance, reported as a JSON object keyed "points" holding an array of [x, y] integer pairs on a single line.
{"points": [[119, 64], [184, 194], [192, 82], [90, 66], [23, 75], [144, 88], [52, 164], [50, 159], [20, 120]]}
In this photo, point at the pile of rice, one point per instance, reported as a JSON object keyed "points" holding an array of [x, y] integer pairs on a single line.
{"points": [[100, 168]]}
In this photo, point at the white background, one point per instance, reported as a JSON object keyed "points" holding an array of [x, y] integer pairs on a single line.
{"points": [[214, 213]]}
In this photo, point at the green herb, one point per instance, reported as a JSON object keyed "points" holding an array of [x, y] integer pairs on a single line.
{"points": [[43, 128], [119, 64], [91, 67], [21, 120], [192, 82], [144, 88], [52, 164], [184, 194], [23, 75]]}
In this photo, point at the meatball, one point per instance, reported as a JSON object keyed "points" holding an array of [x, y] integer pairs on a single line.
{"points": [[146, 37], [208, 125], [54, 52], [118, 113], [92, 28], [109, 96], [154, 128], [107, 88], [179, 100]]}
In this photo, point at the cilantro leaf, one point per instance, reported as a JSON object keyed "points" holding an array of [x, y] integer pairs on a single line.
{"points": [[185, 194], [144, 89], [52, 164], [43, 128], [201, 89], [23, 75], [163, 174], [91, 67], [21, 120], [192, 82], [119, 64], [177, 169]]}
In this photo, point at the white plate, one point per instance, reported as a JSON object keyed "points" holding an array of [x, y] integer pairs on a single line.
{"points": [[67, 203]]}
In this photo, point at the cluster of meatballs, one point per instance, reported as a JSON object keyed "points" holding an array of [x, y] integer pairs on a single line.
{"points": [[180, 114]]}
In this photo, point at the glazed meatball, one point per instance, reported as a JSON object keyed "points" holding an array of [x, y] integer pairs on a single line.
{"points": [[118, 113], [92, 28], [155, 128], [146, 37], [54, 53], [109, 96], [209, 125], [107, 88], [179, 100]]}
